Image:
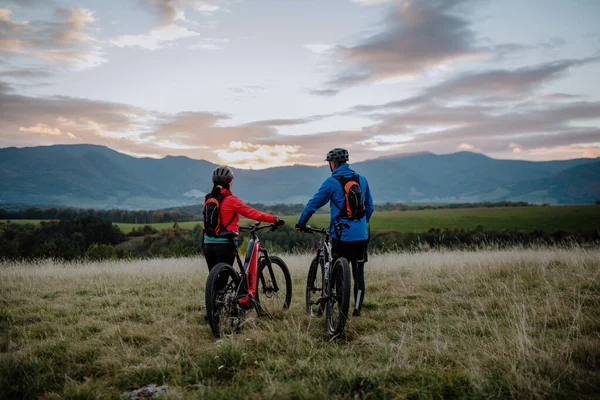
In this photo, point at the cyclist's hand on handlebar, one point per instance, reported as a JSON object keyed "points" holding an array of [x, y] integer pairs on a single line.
{"points": [[301, 228], [278, 224]]}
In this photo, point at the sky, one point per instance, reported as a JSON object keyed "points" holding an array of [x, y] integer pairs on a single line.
{"points": [[263, 83]]}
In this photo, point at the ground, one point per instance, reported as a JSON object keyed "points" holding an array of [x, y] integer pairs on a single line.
{"points": [[519, 323]]}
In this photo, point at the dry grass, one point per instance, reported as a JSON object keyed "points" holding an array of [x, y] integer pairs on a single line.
{"points": [[488, 324]]}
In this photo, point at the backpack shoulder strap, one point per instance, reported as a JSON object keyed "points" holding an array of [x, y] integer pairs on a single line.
{"points": [[234, 215], [342, 180]]}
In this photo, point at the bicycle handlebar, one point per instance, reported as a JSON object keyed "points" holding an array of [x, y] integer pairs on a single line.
{"points": [[339, 226], [310, 229], [255, 227]]}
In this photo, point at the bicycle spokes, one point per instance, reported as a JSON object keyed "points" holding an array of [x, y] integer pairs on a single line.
{"points": [[274, 286], [339, 298], [333, 301], [315, 300]]}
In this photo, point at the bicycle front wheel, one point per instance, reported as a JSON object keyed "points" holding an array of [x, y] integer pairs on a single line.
{"points": [[224, 315], [274, 291], [338, 300], [314, 288]]}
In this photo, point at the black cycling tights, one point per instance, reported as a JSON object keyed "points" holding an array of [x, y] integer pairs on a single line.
{"points": [[358, 274]]}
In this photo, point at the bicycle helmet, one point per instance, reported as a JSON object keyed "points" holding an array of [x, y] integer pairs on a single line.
{"points": [[222, 174], [338, 156]]}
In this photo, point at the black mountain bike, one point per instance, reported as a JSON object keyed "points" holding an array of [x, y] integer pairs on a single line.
{"points": [[328, 284], [263, 283]]}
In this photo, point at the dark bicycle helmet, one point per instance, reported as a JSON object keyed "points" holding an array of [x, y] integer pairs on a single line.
{"points": [[337, 155], [222, 175]]}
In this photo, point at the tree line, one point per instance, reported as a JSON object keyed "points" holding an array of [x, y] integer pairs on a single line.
{"points": [[113, 215], [194, 212], [92, 238]]}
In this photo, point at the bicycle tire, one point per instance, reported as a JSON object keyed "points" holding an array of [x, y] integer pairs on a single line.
{"points": [[314, 288], [221, 287], [268, 298], [338, 302]]}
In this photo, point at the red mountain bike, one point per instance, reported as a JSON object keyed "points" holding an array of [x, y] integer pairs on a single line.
{"points": [[263, 283]]}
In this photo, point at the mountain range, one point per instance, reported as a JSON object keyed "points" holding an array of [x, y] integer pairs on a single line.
{"points": [[98, 177]]}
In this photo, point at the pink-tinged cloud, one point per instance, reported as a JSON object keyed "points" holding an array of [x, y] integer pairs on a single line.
{"points": [[417, 36], [66, 39], [169, 11]]}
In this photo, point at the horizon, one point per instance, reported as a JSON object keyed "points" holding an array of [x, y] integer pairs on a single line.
{"points": [[246, 84], [320, 165]]}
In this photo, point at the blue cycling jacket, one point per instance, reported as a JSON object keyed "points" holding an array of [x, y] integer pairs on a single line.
{"points": [[331, 191]]}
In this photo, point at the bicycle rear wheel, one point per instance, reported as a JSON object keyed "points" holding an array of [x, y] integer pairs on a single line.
{"points": [[338, 300], [314, 288], [274, 291], [224, 315]]}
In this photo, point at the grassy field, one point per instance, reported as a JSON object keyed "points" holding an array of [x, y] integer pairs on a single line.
{"points": [[489, 324], [568, 218], [126, 228]]}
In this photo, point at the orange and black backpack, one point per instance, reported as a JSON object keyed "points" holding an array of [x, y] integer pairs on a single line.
{"points": [[354, 206], [212, 215]]}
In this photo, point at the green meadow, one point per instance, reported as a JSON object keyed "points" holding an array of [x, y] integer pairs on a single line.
{"points": [[546, 218], [567, 218]]}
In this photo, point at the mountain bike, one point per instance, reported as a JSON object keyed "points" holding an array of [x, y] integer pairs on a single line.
{"points": [[263, 283], [328, 284]]}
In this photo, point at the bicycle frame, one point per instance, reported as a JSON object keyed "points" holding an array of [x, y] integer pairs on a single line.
{"points": [[328, 258], [246, 290]]}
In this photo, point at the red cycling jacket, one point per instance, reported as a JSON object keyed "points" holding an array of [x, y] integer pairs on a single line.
{"points": [[232, 207]]}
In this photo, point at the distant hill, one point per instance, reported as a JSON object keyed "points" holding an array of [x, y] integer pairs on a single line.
{"points": [[98, 177]]}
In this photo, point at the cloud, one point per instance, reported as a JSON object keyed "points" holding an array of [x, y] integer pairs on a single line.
{"points": [[77, 59], [47, 120], [76, 21], [41, 129], [243, 155], [593, 152], [168, 32], [211, 130], [515, 148], [318, 48], [59, 119], [493, 86], [156, 38], [171, 10], [210, 44], [519, 132], [324, 92], [489, 129], [370, 3], [25, 73], [504, 82], [564, 152], [247, 89], [417, 36], [560, 96], [66, 38], [26, 3]]}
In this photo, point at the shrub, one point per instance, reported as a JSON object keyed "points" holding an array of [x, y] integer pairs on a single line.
{"points": [[101, 252]]}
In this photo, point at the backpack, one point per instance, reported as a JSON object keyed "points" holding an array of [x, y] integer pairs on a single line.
{"points": [[354, 206], [212, 215]]}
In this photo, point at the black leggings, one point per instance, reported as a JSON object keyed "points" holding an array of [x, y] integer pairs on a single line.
{"points": [[356, 254], [215, 253]]}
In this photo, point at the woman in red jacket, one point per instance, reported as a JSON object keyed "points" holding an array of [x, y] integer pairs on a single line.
{"points": [[216, 249]]}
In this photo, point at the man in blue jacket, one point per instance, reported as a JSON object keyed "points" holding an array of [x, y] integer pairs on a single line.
{"points": [[350, 243]]}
